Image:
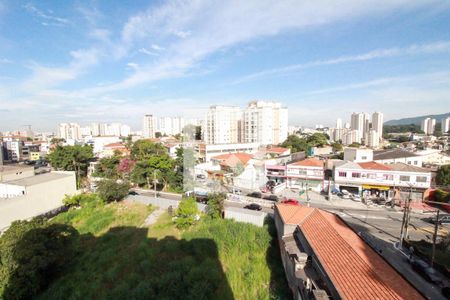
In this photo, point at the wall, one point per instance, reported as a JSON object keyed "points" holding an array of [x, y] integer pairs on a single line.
{"points": [[38, 199], [245, 215]]}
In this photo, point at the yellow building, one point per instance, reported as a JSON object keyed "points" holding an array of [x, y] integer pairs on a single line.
{"points": [[35, 155]]}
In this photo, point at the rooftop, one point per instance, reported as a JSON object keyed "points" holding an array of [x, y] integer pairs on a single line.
{"points": [[232, 159], [38, 179], [392, 154], [345, 164], [309, 162], [278, 150], [14, 168], [407, 168], [354, 268], [115, 145], [371, 165]]}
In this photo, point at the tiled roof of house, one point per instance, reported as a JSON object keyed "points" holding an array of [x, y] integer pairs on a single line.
{"points": [[114, 145], [354, 268], [392, 154], [293, 214], [232, 159], [278, 150], [309, 162], [345, 164], [371, 165], [407, 168]]}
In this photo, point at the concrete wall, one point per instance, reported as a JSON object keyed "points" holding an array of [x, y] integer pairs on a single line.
{"points": [[246, 216], [38, 199]]}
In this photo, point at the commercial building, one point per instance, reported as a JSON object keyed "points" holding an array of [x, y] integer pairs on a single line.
{"points": [[223, 125], [325, 259], [34, 195], [148, 126], [265, 123], [428, 126], [392, 156]]}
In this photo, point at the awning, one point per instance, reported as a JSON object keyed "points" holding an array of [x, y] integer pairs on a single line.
{"points": [[375, 187]]}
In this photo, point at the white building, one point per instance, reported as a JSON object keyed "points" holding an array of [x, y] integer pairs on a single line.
{"points": [[69, 131], [358, 121], [170, 125], [206, 151], [373, 140], [428, 126], [339, 123], [31, 196], [377, 124], [358, 154], [265, 123], [223, 125], [148, 126], [445, 125]]}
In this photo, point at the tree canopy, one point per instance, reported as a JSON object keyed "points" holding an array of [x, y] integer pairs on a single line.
{"points": [[111, 191], [443, 176], [295, 143]]}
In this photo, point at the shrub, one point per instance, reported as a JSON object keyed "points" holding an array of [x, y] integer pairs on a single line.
{"points": [[31, 254], [215, 205], [187, 213], [110, 190], [77, 200]]}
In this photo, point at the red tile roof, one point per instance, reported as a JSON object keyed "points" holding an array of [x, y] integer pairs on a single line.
{"points": [[355, 269], [232, 159], [309, 162], [293, 214], [278, 150], [114, 145], [371, 165]]}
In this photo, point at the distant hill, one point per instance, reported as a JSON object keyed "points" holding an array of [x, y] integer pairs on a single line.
{"points": [[416, 120]]}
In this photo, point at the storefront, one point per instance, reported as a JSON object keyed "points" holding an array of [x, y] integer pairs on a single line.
{"points": [[377, 191]]}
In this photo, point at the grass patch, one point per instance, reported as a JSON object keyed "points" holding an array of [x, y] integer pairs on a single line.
{"points": [[118, 259]]}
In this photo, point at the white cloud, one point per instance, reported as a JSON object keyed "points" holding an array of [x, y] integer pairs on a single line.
{"points": [[436, 47], [48, 19], [148, 52], [210, 26], [5, 61], [157, 47]]}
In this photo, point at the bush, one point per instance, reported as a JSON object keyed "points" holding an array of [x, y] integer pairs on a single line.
{"points": [[110, 190], [215, 205], [31, 254], [77, 200], [442, 196], [443, 175], [187, 213]]}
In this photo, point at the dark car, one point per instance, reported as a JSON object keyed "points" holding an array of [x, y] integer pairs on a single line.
{"points": [[255, 195], [134, 193], [271, 197], [443, 219], [253, 206], [426, 271]]}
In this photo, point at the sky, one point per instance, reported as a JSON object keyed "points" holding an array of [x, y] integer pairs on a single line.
{"points": [[114, 61]]}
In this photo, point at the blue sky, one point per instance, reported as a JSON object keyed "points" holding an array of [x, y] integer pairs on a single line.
{"points": [[111, 61]]}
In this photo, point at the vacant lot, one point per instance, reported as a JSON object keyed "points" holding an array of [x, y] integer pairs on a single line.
{"points": [[120, 259]]}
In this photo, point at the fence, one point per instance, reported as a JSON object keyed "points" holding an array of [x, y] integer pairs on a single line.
{"points": [[246, 199]]}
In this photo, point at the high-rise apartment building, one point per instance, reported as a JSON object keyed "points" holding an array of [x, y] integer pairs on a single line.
{"points": [[339, 123], [223, 125], [445, 125], [377, 123], [373, 139], [170, 125], [148, 126], [69, 131], [358, 123], [428, 126], [265, 123]]}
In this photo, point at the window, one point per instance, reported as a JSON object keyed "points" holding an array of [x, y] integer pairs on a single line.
{"points": [[364, 157], [421, 179], [372, 176], [388, 177], [342, 174], [356, 175], [409, 162], [404, 178], [415, 162]]}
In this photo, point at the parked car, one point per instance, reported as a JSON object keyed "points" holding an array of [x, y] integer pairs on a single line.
{"points": [[133, 193], [345, 194], [201, 176], [356, 197], [271, 197], [255, 195], [253, 206], [443, 219], [290, 202], [424, 270]]}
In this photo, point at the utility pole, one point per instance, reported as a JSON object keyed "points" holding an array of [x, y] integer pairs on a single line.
{"points": [[154, 181], [436, 225], [404, 229]]}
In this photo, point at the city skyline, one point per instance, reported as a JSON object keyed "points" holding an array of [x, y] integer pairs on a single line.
{"points": [[113, 62]]}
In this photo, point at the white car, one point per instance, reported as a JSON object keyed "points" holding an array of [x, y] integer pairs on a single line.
{"points": [[356, 197], [345, 194]]}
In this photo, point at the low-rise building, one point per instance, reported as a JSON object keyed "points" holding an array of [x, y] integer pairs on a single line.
{"points": [[15, 171], [206, 151], [375, 179], [393, 156], [31, 196], [358, 154], [323, 258]]}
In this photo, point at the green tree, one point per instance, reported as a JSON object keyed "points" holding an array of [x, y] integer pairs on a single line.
{"points": [[107, 167], [32, 253], [443, 176], [144, 149], [317, 140], [215, 205], [337, 147], [295, 143], [72, 158], [76, 200], [187, 213], [110, 190], [146, 170], [355, 145]]}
